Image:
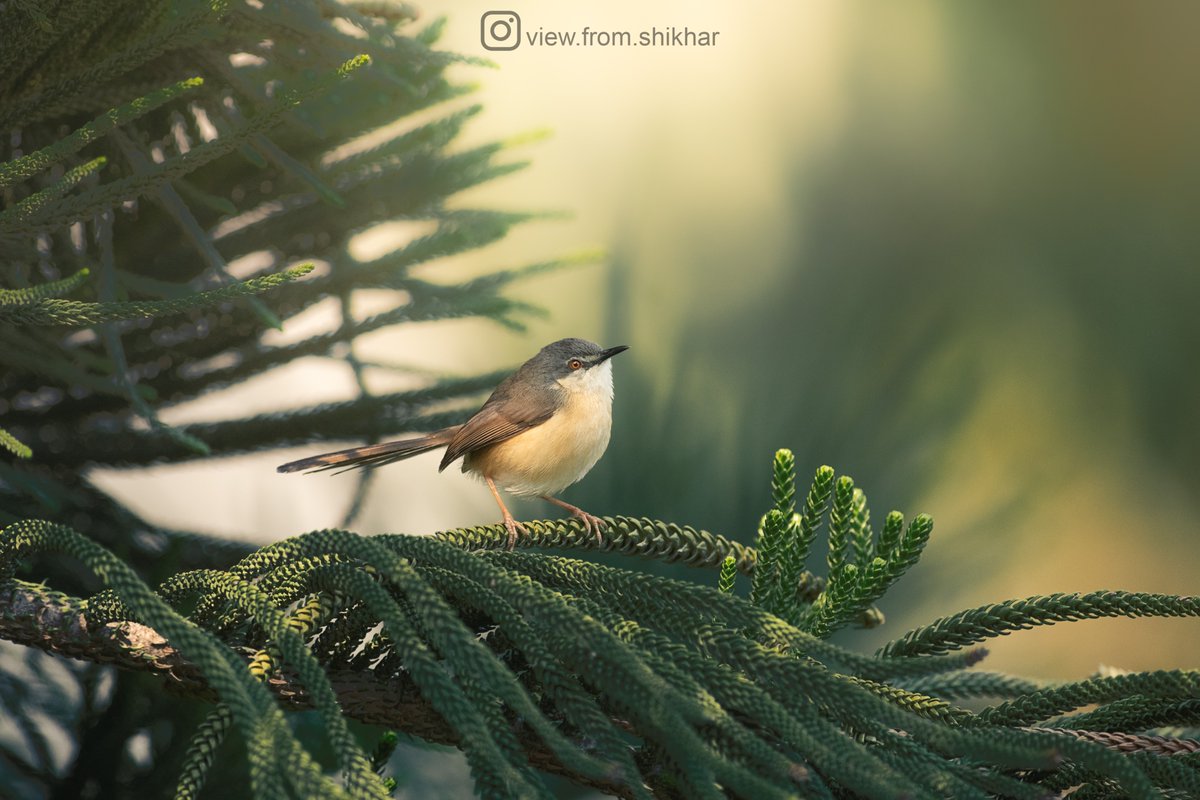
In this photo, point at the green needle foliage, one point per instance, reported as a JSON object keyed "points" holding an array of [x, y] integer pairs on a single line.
{"points": [[728, 575], [177, 179], [140, 169], [52, 311], [636, 684]]}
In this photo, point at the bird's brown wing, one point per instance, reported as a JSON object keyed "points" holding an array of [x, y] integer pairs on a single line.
{"points": [[494, 423]]}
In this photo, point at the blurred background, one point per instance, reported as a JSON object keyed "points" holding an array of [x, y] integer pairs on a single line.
{"points": [[947, 248]]}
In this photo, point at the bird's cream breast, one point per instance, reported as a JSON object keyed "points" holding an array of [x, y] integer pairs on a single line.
{"points": [[555, 454]]}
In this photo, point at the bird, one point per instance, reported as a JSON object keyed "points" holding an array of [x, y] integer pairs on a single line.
{"points": [[542, 429]]}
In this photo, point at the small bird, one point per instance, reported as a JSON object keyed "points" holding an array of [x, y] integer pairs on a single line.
{"points": [[543, 429]]}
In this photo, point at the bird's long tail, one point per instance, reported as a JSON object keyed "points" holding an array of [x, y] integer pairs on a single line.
{"points": [[372, 455]]}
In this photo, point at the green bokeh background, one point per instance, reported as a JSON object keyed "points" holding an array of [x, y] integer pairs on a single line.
{"points": [[976, 292], [949, 248]]}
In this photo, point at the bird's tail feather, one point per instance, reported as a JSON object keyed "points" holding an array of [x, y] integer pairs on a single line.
{"points": [[372, 455]]}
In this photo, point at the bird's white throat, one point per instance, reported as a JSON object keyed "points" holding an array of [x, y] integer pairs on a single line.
{"points": [[597, 382]]}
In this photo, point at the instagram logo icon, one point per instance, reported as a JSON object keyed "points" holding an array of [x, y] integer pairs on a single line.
{"points": [[500, 30]]}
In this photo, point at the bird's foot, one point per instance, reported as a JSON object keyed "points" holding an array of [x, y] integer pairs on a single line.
{"points": [[514, 528], [590, 521], [593, 523]]}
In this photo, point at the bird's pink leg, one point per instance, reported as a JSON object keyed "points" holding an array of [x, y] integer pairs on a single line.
{"points": [[510, 521]]}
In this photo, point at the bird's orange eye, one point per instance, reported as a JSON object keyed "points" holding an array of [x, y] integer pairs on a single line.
{"points": [[574, 363]]}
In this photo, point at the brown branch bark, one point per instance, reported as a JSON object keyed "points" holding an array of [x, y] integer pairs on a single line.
{"points": [[33, 615]]}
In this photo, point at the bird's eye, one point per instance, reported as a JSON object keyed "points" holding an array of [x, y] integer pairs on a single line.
{"points": [[574, 363]]}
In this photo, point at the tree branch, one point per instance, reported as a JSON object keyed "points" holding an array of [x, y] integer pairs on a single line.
{"points": [[31, 614]]}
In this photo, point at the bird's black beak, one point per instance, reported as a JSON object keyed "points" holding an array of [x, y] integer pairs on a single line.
{"points": [[605, 355]]}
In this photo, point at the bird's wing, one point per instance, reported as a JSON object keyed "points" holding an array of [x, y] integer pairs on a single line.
{"points": [[493, 424]]}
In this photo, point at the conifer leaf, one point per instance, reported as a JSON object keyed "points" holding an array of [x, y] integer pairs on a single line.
{"points": [[13, 220], [78, 313], [999, 619], [16, 297], [26, 166], [14, 445], [728, 575], [107, 195]]}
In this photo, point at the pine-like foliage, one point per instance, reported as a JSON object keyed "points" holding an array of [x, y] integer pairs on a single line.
{"points": [[177, 180], [153, 150], [164, 164], [639, 685]]}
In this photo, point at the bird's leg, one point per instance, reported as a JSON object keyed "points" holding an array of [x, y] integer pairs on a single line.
{"points": [[590, 521], [510, 521]]}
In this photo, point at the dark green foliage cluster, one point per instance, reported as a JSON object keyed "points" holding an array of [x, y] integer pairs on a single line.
{"points": [[643, 685], [149, 149], [150, 146], [861, 565], [162, 165]]}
